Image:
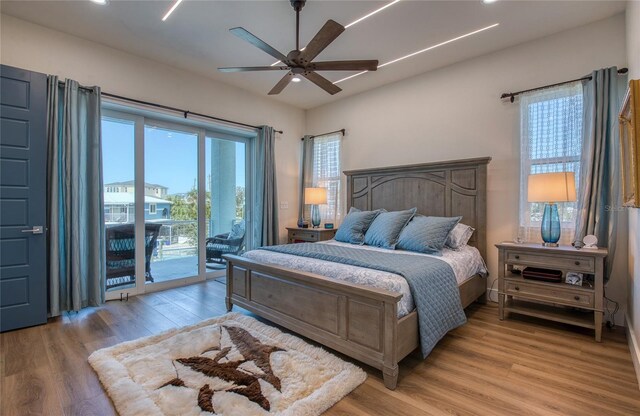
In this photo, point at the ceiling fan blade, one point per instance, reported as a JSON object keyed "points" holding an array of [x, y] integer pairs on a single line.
{"points": [[253, 68], [277, 89], [322, 82], [360, 65], [244, 34], [329, 32]]}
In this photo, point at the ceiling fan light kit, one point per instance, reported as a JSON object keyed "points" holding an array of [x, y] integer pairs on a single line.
{"points": [[299, 62]]}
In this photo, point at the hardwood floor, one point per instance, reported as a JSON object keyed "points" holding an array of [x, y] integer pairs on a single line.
{"points": [[487, 367]]}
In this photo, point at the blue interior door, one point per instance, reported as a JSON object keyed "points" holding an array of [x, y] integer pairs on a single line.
{"points": [[23, 284]]}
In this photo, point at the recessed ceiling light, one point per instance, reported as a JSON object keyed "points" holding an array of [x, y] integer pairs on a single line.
{"points": [[295, 79], [489, 1], [175, 6], [358, 20], [422, 50], [102, 2]]}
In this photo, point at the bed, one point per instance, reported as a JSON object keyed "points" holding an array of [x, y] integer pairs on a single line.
{"points": [[360, 321]]}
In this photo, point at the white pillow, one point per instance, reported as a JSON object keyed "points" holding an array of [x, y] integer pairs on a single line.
{"points": [[459, 236]]}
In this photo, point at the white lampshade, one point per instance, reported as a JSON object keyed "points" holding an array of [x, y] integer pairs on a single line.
{"points": [[315, 196], [552, 187]]}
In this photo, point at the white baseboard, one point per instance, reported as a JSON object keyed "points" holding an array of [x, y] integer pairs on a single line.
{"points": [[634, 347]]}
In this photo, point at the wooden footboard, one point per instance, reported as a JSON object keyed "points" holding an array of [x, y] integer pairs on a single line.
{"points": [[359, 321]]}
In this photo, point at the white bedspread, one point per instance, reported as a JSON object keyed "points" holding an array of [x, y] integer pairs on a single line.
{"points": [[465, 263]]}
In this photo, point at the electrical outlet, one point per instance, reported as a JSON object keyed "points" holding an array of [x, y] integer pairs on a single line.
{"points": [[284, 205]]}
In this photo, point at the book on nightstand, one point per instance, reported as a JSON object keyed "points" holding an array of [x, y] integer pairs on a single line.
{"points": [[545, 275]]}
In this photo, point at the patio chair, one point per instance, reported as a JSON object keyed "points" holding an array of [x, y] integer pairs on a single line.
{"points": [[120, 247], [227, 243]]}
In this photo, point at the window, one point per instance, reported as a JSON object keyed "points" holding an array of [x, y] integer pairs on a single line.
{"points": [[152, 208], [327, 174], [551, 141]]}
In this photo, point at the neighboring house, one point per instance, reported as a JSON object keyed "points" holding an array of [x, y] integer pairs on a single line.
{"points": [[119, 202], [150, 189]]}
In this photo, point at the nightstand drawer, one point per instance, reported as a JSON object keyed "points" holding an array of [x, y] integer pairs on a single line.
{"points": [[310, 236], [549, 294], [575, 263]]}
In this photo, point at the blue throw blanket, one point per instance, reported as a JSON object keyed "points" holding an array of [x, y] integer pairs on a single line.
{"points": [[432, 283]]}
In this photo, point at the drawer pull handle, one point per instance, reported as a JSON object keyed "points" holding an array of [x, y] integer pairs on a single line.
{"points": [[517, 288], [577, 263], [517, 257], [576, 297]]}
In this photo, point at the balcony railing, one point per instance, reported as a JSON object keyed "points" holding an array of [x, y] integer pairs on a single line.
{"points": [[117, 218]]}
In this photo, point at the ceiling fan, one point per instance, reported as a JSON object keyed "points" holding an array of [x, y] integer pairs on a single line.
{"points": [[300, 62]]}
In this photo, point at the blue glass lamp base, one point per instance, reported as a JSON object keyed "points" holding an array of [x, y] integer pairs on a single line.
{"points": [[550, 229], [315, 216]]}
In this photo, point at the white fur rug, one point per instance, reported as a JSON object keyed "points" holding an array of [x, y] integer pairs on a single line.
{"points": [[231, 365]]}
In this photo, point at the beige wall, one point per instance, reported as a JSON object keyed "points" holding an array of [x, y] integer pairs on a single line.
{"points": [[633, 58], [33, 47], [455, 112]]}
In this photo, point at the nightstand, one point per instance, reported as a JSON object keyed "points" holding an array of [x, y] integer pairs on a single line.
{"points": [[552, 301], [309, 235]]}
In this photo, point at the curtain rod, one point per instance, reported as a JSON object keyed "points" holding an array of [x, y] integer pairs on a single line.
{"points": [[512, 95], [343, 131], [185, 113]]}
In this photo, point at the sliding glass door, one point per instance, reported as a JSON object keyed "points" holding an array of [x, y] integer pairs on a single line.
{"points": [[226, 167], [171, 201], [175, 202], [118, 159]]}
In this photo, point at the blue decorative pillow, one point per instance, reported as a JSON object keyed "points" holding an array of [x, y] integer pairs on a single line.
{"points": [[355, 225], [385, 229], [426, 234]]}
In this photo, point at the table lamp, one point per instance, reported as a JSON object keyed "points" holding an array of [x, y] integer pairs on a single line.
{"points": [[314, 197], [551, 188]]}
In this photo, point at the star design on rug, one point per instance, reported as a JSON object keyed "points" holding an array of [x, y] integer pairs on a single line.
{"points": [[245, 383], [254, 350]]}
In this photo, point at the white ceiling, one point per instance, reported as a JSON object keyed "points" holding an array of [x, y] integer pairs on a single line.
{"points": [[196, 36]]}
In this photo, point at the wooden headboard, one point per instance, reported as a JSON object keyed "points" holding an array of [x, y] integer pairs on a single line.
{"points": [[443, 189]]}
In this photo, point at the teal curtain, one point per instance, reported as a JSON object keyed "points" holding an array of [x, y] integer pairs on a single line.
{"points": [[265, 194], [599, 191], [75, 212], [306, 176]]}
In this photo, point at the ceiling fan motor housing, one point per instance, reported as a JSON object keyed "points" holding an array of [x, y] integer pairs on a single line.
{"points": [[296, 59]]}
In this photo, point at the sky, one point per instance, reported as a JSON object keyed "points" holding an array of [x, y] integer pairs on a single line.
{"points": [[170, 156]]}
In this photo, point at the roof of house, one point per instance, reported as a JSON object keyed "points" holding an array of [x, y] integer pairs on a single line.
{"points": [[121, 198], [131, 183]]}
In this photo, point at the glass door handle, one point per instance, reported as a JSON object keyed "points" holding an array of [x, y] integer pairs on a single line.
{"points": [[37, 229]]}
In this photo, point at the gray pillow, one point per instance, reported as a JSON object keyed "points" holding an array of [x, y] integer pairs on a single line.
{"points": [[385, 229], [426, 234], [355, 225], [459, 236]]}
